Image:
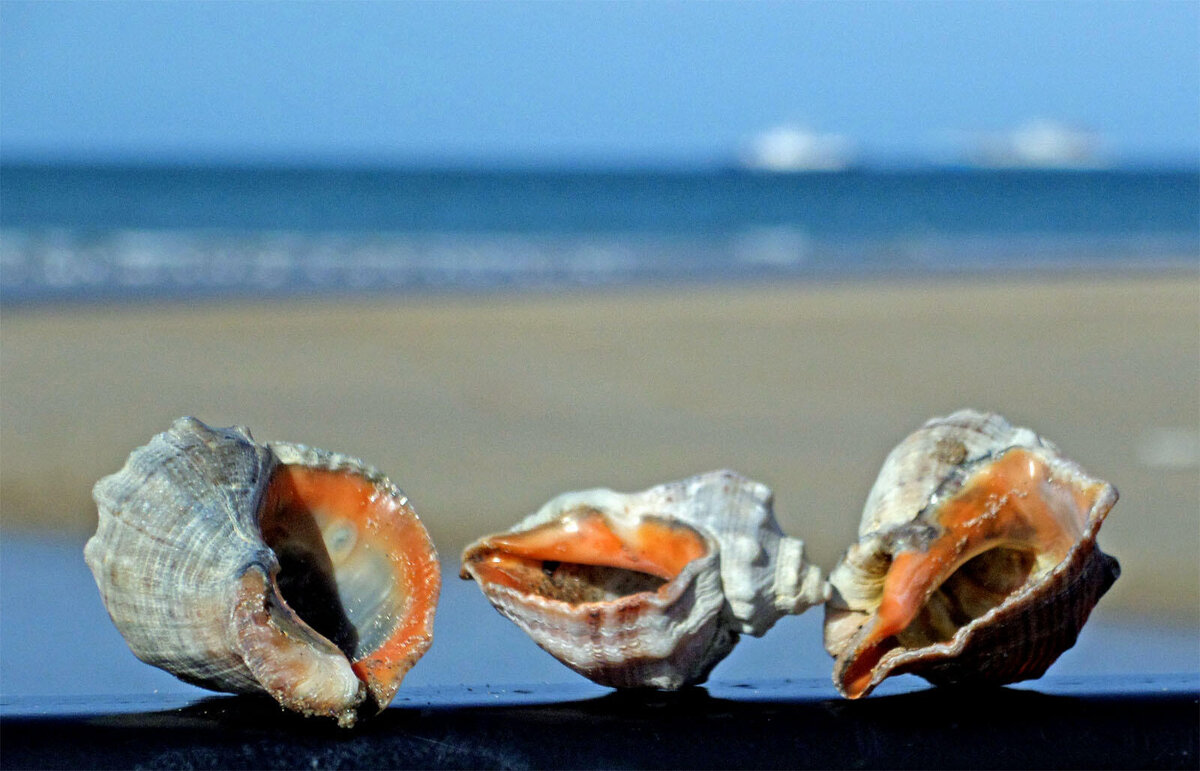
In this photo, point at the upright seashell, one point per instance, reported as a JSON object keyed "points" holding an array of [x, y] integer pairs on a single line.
{"points": [[281, 569], [976, 560], [648, 589]]}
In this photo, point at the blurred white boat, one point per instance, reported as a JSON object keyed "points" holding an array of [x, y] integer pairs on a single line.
{"points": [[793, 149], [1040, 143]]}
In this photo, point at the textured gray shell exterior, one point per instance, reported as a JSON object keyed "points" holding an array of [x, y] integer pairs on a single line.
{"points": [[162, 552]]}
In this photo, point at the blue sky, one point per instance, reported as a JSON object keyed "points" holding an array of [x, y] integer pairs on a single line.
{"points": [[662, 82]]}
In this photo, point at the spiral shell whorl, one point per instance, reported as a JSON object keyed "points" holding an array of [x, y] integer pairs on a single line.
{"points": [[763, 572], [915, 468], [149, 530]]}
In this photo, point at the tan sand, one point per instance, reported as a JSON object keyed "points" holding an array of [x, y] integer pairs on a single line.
{"points": [[484, 407]]}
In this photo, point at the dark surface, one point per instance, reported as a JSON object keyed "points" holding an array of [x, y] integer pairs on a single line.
{"points": [[1149, 723], [73, 696]]}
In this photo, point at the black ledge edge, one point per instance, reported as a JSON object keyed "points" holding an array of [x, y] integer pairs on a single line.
{"points": [[1147, 723]]}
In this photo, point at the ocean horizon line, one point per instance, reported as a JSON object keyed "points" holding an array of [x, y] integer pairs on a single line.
{"points": [[731, 165]]}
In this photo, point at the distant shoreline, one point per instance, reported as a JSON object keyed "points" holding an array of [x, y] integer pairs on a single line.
{"points": [[1180, 268], [50, 266]]}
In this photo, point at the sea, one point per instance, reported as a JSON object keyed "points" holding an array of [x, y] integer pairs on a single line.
{"points": [[77, 233]]}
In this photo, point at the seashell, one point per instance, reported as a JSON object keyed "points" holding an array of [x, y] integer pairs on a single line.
{"points": [[976, 561], [282, 569], [648, 589]]}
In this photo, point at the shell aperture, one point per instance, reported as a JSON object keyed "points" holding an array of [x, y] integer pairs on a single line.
{"points": [[586, 557], [976, 561]]}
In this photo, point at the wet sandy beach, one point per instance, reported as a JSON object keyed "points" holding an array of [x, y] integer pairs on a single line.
{"points": [[482, 407]]}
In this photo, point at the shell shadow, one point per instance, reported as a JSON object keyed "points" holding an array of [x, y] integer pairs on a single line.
{"points": [[945, 727]]}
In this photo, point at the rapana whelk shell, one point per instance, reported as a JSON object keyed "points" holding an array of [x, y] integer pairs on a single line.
{"points": [[281, 569], [648, 589], [976, 560]]}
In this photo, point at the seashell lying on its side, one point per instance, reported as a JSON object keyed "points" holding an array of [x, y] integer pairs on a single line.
{"points": [[280, 569], [976, 560], [648, 589]]}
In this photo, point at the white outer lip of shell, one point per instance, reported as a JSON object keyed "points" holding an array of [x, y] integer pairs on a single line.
{"points": [[667, 642]]}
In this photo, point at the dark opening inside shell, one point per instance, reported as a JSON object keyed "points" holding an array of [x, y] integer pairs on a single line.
{"points": [[585, 557]]}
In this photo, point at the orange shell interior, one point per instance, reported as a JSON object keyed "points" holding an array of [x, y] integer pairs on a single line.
{"points": [[1013, 503], [386, 532], [585, 537]]}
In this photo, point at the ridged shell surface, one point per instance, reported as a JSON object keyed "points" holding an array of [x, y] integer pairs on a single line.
{"points": [[182, 566], [976, 560], [648, 589]]}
